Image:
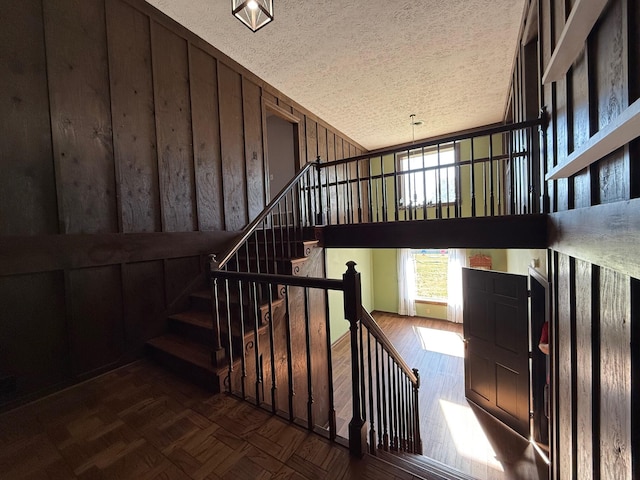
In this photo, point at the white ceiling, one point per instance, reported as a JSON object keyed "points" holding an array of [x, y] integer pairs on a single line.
{"points": [[365, 66]]}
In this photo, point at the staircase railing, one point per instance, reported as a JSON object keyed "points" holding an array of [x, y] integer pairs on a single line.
{"points": [[277, 368], [486, 172]]}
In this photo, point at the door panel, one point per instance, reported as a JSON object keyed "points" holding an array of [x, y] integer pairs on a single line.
{"points": [[496, 330]]}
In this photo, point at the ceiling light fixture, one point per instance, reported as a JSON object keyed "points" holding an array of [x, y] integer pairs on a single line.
{"points": [[255, 14], [414, 123]]}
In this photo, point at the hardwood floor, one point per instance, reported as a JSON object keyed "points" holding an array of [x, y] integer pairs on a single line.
{"points": [[453, 431], [140, 422]]}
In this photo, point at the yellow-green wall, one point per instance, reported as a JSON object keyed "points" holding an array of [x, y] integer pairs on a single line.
{"points": [[336, 259]]}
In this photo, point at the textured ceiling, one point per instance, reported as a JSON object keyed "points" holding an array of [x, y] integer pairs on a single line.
{"points": [[365, 66]]}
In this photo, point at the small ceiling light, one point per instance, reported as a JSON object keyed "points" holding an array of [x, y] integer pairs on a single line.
{"points": [[255, 14], [414, 123]]}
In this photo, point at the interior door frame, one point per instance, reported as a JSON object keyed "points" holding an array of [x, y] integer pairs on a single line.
{"points": [[269, 106], [538, 277]]}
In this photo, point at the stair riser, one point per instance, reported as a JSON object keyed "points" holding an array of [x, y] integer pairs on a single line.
{"points": [[194, 373]]}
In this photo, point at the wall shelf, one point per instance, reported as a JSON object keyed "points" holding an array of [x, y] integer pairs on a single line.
{"points": [[622, 130], [583, 17]]}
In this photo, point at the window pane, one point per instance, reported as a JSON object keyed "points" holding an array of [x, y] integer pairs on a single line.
{"points": [[425, 182], [431, 274]]}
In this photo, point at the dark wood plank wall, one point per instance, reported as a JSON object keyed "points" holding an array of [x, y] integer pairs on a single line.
{"points": [[116, 120], [594, 240]]}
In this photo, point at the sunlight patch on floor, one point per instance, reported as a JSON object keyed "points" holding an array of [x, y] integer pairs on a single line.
{"points": [[467, 434], [440, 341]]}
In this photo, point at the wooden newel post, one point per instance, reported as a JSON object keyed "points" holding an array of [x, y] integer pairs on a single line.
{"points": [[353, 313]]}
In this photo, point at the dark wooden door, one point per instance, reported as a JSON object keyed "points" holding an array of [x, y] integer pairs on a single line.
{"points": [[496, 331]]}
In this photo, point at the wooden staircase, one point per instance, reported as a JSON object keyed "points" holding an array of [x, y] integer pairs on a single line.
{"points": [[187, 348]]}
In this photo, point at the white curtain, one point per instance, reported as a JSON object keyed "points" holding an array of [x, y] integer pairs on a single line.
{"points": [[406, 283], [457, 259]]}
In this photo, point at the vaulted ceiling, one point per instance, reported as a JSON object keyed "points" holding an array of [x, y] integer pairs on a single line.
{"points": [[365, 66]]}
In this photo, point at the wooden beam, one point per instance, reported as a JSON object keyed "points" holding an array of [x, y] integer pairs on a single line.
{"points": [[514, 231], [605, 235], [31, 254], [622, 130], [582, 18]]}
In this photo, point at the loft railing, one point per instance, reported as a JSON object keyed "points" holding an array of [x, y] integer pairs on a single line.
{"points": [[277, 365], [487, 172]]}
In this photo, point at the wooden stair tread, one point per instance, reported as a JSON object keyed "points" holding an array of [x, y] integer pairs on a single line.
{"points": [[422, 466], [180, 347], [194, 317]]}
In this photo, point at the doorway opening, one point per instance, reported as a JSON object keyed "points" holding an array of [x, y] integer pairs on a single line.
{"points": [[282, 141]]}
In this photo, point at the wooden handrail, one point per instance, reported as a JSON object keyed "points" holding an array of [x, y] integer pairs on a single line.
{"points": [[373, 327], [216, 263], [289, 280]]}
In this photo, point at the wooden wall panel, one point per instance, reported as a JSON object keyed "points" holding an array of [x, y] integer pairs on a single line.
{"points": [[206, 140], [96, 324], [81, 115], [564, 387], [584, 365], [27, 183], [331, 146], [615, 376], [173, 125], [561, 139], [33, 340], [322, 143], [134, 131], [580, 126], [254, 156], [144, 303], [232, 146], [179, 273], [302, 137], [312, 140]]}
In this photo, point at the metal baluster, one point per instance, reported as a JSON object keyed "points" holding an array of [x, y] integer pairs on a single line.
{"points": [[217, 356], [511, 176], [363, 398], [256, 344], [287, 319], [438, 184], [229, 346], [349, 195], [416, 418], [332, 407], [378, 396], [307, 331], [243, 360], [491, 175], [395, 187], [372, 428], [396, 417], [359, 191], [385, 389], [274, 387], [369, 193], [424, 188], [384, 190], [335, 172], [473, 181]]}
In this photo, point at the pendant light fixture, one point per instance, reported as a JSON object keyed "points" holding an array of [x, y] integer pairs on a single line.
{"points": [[255, 14]]}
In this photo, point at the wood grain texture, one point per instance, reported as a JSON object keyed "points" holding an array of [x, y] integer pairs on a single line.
{"points": [[33, 342], [311, 140], [27, 183], [144, 303], [140, 422], [173, 126], [206, 139], [96, 321], [565, 374], [584, 365], [580, 126], [81, 115], [179, 273], [322, 142], [19, 255], [132, 106], [254, 155], [232, 147], [302, 137], [615, 376]]}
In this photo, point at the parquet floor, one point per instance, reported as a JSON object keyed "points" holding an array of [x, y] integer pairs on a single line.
{"points": [[453, 431], [140, 422]]}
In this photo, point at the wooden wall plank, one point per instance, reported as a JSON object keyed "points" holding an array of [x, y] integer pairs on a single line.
{"points": [[179, 273], [31, 254], [33, 340], [312, 140], [132, 106], [232, 147], [615, 376], [254, 156], [302, 137], [580, 127], [27, 183], [564, 387], [584, 365], [81, 115], [96, 330], [322, 143], [144, 303], [331, 146], [206, 140], [173, 126]]}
